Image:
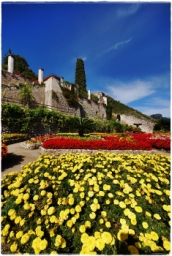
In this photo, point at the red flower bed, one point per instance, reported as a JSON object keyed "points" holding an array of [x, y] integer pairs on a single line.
{"points": [[64, 143], [138, 141]]}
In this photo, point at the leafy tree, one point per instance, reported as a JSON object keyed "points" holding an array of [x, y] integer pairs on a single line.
{"points": [[108, 112], [26, 95], [80, 77], [20, 65], [83, 125], [163, 125]]}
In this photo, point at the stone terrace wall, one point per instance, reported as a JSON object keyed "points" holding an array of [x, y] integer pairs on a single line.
{"points": [[147, 126]]}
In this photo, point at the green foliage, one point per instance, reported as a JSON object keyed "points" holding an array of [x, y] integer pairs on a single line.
{"points": [[162, 125], [55, 96], [109, 112], [26, 95], [26, 120], [94, 98], [12, 116], [80, 77], [83, 125], [70, 95], [20, 65], [120, 108]]}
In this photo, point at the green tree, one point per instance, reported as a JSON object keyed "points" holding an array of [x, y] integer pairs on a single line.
{"points": [[80, 77], [163, 125], [26, 95], [83, 125], [20, 65]]}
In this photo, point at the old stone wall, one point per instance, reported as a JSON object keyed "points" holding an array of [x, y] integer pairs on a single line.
{"points": [[146, 126], [43, 96]]}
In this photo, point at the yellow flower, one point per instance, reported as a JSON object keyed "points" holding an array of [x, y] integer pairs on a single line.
{"points": [[53, 219], [11, 212], [91, 193], [43, 212], [26, 206], [82, 194], [108, 224], [93, 207], [87, 224], [38, 221], [138, 245], [97, 234], [18, 200], [19, 234], [71, 201], [106, 187], [11, 234], [82, 229], [78, 208], [148, 214], [127, 212], [132, 249], [36, 197], [92, 215], [39, 232], [17, 219], [154, 236], [166, 207], [101, 221], [166, 245], [26, 196], [107, 201], [144, 224], [122, 205], [54, 252], [69, 223], [103, 214], [84, 237], [43, 192], [133, 221], [90, 242], [106, 237], [138, 209], [100, 244], [58, 240], [122, 235], [122, 221], [157, 216], [25, 238], [101, 193], [13, 247], [63, 243], [51, 210]]}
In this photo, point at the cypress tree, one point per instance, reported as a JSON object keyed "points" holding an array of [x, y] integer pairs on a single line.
{"points": [[80, 77]]}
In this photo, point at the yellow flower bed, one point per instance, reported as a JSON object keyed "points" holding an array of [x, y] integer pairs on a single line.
{"points": [[88, 204]]}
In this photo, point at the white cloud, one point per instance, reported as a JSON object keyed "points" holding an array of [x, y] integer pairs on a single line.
{"points": [[157, 101], [125, 12], [116, 46], [129, 92], [165, 112]]}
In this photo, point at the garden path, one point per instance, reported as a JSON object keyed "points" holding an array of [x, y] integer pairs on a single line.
{"points": [[18, 156]]}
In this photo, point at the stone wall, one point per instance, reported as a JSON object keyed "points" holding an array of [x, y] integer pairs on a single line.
{"points": [[44, 96], [147, 126]]}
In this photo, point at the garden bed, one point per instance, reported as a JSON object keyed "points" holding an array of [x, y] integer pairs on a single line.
{"points": [[102, 203]]}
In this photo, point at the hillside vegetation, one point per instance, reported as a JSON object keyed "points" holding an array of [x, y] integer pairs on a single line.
{"points": [[120, 108]]}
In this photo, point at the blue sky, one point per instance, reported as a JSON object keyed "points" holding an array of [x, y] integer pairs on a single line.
{"points": [[125, 46]]}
